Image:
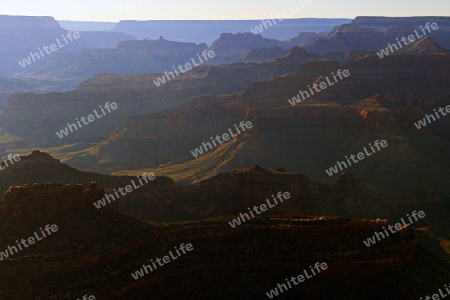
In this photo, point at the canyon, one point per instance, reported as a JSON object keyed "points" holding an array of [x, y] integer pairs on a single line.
{"points": [[27, 118], [279, 244], [366, 106], [279, 133]]}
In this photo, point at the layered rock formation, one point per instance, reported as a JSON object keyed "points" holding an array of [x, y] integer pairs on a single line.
{"points": [[206, 31], [28, 116], [228, 193], [233, 47], [158, 56], [373, 34], [36, 33], [339, 120], [161, 199], [21, 200], [260, 55], [95, 250], [134, 57], [49, 30], [236, 47], [304, 39], [25, 27], [152, 56], [14, 86], [427, 45]]}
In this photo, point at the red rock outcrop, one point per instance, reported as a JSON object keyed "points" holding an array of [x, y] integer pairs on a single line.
{"points": [[42, 199]]}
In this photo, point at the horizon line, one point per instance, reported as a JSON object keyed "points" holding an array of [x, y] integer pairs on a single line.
{"points": [[257, 19]]}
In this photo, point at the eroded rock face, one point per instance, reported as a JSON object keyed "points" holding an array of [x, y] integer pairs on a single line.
{"points": [[264, 54], [42, 199], [228, 193], [134, 57], [233, 47], [41, 116], [232, 192], [207, 30], [13, 86], [104, 246], [373, 34], [161, 199], [171, 135], [427, 45], [25, 27], [49, 31], [334, 120]]}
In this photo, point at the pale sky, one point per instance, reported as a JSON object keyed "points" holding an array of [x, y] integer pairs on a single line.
{"points": [[108, 10]]}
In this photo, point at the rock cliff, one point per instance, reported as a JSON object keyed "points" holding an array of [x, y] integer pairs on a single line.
{"points": [[133, 57], [26, 27], [100, 263], [28, 115], [375, 33], [206, 31], [340, 120], [251, 257]]}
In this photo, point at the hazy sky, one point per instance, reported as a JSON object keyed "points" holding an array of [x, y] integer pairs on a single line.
{"points": [[109, 10]]}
